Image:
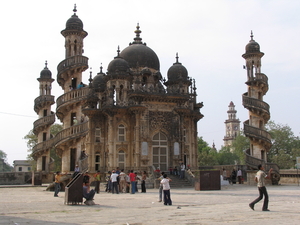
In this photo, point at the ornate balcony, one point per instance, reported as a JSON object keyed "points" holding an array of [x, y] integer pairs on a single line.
{"points": [[76, 63], [43, 101], [72, 96], [43, 122], [260, 79], [257, 105], [259, 134], [63, 136]]}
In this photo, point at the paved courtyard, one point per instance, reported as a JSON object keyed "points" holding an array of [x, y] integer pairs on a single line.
{"points": [[34, 205]]}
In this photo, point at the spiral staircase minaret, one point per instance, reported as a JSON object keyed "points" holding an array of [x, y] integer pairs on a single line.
{"points": [[41, 127], [259, 111]]}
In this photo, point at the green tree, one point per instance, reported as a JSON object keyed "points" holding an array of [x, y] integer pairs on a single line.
{"points": [[32, 141], [285, 145], [4, 166], [226, 157], [206, 155], [240, 144]]}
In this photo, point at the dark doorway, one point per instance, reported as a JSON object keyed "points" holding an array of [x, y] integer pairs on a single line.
{"points": [[72, 159], [44, 163]]}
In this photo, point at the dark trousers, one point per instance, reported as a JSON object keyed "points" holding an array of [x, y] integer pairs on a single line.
{"points": [[167, 197], [143, 185], [90, 195], [262, 192], [97, 186], [115, 187], [56, 189]]}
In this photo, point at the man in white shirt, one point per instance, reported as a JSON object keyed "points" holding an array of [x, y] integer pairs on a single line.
{"points": [[166, 189], [114, 182], [260, 179]]}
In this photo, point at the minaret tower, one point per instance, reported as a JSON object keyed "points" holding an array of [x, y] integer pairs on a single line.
{"points": [[259, 114], [68, 110], [41, 127], [232, 126]]}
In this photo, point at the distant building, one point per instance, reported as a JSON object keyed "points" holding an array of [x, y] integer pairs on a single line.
{"points": [[22, 166], [232, 126]]}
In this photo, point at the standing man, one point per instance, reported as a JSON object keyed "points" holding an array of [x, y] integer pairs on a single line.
{"points": [[113, 178], [166, 188], [160, 189], [97, 181], [182, 171], [57, 184], [239, 175], [260, 179], [132, 182]]}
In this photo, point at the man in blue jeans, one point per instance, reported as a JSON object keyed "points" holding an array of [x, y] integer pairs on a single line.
{"points": [[260, 179], [132, 181]]}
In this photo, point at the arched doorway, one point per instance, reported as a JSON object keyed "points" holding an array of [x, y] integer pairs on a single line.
{"points": [[160, 151]]}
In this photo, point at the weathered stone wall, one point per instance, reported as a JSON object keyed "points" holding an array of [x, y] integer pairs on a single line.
{"points": [[14, 178]]}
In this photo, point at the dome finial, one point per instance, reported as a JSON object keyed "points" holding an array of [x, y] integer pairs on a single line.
{"points": [[101, 68], [74, 10], [90, 79], [177, 57], [251, 35], [118, 51], [137, 39], [46, 64]]}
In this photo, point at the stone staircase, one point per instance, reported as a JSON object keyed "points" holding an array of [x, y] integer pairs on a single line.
{"points": [[178, 183]]}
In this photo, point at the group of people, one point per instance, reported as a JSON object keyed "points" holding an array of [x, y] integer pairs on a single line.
{"points": [[233, 176], [118, 181]]}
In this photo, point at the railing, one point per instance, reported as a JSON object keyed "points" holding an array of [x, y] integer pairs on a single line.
{"points": [[42, 99], [72, 96], [259, 77], [253, 162], [46, 120], [256, 132], [66, 134], [255, 103], [83, 164], [71, 63]]}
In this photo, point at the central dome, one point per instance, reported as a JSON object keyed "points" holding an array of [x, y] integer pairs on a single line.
{"points": [[137, 54]]}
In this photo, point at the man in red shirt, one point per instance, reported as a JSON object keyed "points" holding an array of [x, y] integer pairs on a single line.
{"points": [[132, 181]]}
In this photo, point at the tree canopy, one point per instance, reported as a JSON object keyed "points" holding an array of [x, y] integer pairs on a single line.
{"points": [[5, 167]]}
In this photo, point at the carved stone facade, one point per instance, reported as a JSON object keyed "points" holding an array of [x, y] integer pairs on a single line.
{"points": [[232, 125], [129, 117]]}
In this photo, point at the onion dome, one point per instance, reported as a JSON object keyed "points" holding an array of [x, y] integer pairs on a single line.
{"points": [[46, 73], [74, 24], [137, 54], [177, 71], [118, 65], [252, 46], [99, 81]]}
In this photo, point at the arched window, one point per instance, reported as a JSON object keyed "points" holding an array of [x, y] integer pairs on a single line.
{"points": [[160, 151], [121, 159], [121, 132], [97, 134]]}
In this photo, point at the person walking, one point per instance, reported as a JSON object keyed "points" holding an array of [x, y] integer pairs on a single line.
{"points": [[260, 179], [57, 184], [160, 189], [97, 182], [166, 189], [239, 175], [132, 182]]}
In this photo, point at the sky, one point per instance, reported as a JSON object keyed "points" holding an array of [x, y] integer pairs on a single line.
{"points": [[209, 36]]}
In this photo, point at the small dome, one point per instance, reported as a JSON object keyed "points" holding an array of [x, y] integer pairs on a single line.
{"points": [[46, 73], [118, 64], [252, 46], [74, 23], [177, 71], [137, 54], [99, 81]]}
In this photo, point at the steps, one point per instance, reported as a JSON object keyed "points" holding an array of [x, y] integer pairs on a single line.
{"points": [[178, 183]]}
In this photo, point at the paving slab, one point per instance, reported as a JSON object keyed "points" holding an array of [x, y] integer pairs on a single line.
{"points": [[34, 205]]}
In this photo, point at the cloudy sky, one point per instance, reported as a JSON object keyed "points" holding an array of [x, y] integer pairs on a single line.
{"points": [[210, 37]]}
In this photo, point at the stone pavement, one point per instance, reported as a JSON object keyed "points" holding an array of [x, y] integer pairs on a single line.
{"points": [[34, 205]]}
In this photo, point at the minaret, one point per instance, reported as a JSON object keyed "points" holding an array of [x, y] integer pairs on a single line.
{"points": [[232, 126], [259, 114], [41, 127], [68, 109]]}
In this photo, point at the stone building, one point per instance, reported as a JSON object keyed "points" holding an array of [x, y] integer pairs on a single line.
{"points": [[129, 117], [232, 125]]}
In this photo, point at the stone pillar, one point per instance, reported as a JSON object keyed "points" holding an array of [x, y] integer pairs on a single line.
{"points": [[39, 164], [65, 160]]}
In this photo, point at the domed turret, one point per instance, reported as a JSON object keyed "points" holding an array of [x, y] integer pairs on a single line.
{"points": [[177, 71], [118, 64], [137, 54], [99, 81], [252, 46], [46, 73]]}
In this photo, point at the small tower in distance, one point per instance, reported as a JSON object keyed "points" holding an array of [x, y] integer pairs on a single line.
{"points": [[232, 126]]}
